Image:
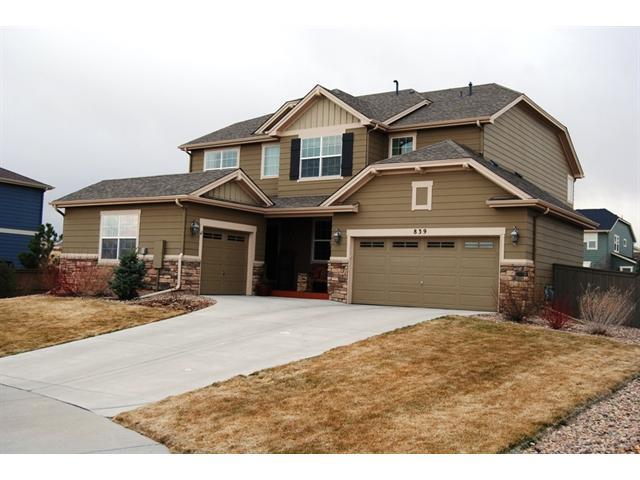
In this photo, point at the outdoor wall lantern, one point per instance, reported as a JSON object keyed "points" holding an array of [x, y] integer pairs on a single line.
{"points": [[515, 235], [337, 236], [195, 228]]}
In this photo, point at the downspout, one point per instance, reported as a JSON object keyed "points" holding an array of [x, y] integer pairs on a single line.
{"points": [[179, 281]]}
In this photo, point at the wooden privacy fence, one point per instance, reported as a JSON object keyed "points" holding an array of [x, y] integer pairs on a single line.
{"points": [[569, 284]]}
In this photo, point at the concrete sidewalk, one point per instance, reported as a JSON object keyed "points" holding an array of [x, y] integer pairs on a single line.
{"points": [[32, 423]]}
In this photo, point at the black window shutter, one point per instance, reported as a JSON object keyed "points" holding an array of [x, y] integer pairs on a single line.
{"points": [[294, 168], [347, 154]]}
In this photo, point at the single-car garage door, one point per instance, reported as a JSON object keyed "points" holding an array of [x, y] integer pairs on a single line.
{"points": [[224, 262], [457, 273]]}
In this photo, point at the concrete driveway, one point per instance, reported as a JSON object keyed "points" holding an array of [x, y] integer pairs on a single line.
{"points": [[119, 371]]}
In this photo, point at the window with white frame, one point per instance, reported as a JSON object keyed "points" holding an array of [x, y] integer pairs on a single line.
{"points": [[624, 242], [321, 156], [270, 160], [421, 195], [321, 247], [591, 239], [570, 188], [616, 243], [118, 233], [221, 159], [586, 263], [626, 269], [402, 144]]}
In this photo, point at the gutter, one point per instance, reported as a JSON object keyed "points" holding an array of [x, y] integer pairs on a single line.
{"points": [[547, 207]]}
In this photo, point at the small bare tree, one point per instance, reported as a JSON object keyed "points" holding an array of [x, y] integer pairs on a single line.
{"points": [[602, 309]]}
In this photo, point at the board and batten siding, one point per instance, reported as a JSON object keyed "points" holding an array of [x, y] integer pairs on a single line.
{"points": [[322, 113], [231, 192], [161, 221], [468, 135], [556, 242], [458, 200], [520, 141], [197, 212]]}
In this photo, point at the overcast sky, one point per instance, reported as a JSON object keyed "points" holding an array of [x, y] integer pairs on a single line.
{"points": [[82, 106]]}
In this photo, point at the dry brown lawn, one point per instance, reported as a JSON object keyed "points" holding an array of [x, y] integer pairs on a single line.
{"points": [[37, 321], [450, 385]]}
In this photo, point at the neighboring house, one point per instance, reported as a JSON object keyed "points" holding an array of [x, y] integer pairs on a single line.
{"points": [[20, 214], [447, 198], [610, 247]]}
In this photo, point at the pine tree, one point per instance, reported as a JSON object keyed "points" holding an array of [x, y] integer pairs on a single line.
{"points": [[128, 276]]}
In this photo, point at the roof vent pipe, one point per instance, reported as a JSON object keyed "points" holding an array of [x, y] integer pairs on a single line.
{"points": [[470, 88], [397, 86]]}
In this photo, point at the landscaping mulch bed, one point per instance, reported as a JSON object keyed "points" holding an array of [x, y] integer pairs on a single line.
{"points": [[177, 301], [611, 425]]}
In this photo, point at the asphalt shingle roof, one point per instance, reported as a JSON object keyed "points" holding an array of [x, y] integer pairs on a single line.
{"points": [[293, 202], [7, 176], [156, 186], [449, 149], [446, 105], [602, 216]]}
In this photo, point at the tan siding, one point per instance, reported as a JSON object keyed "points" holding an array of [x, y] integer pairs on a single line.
{"points": [[196, 163], [378, 146], [556, 242], [322, 113], [232, 192], [289, 188], [197, 212], [157, 222], [520, 141], [458, 201], [468, 135]]}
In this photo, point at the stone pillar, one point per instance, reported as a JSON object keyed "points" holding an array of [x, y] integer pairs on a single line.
{"points": [[337, 280], [517, 283], [303, 283], [258, 272]]}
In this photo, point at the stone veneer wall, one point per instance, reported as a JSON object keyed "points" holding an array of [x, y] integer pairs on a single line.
{"points": [[337, 273], [517, 282], [258, 271], [155, 279]]}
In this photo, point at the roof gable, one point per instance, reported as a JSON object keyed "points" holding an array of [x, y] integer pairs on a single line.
{"points": [[7, 176]]}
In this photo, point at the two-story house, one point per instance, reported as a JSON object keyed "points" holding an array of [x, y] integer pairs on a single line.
{"points": [[447, 198], [20, 214], [610, 247]]}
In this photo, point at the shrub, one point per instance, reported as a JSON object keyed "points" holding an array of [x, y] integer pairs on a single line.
{"points": [[602, 309], [7, 280], [517, 305], [86, 280], [40, 247], [128, 276], [555, 318]]}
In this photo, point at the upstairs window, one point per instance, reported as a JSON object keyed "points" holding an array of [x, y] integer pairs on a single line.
{"points": [[118, 233], [270, 161], [591, 239], [321, 157], [402, 144], [624, 242], [570, 189], [616, 243], [221, 159]]}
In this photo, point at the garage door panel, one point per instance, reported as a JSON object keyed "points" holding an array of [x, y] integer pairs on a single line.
{"points": [[439, 273], [224, 262]]}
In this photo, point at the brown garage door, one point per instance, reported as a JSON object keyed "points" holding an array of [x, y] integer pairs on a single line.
{"points": [[224, 262], [436, 272]]}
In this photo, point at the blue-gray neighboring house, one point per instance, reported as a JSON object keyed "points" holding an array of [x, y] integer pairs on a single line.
{"points": [[610, 247], [20, 213]]}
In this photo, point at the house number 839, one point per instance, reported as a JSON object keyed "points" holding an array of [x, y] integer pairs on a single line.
{"points": [[419, 231]]}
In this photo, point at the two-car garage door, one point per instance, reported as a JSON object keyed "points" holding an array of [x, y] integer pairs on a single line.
{"points": [[434, 272], [224, 262]]}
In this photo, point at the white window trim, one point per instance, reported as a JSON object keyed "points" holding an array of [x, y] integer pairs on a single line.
{"points": [[626, 269], [313, 240], [624, 243], [413, 135], [594, 239], [586, 263], [428, 184], [616, 243], [321, 177], [264, 147], [570, 189], [204, 158], [115, 212]]}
